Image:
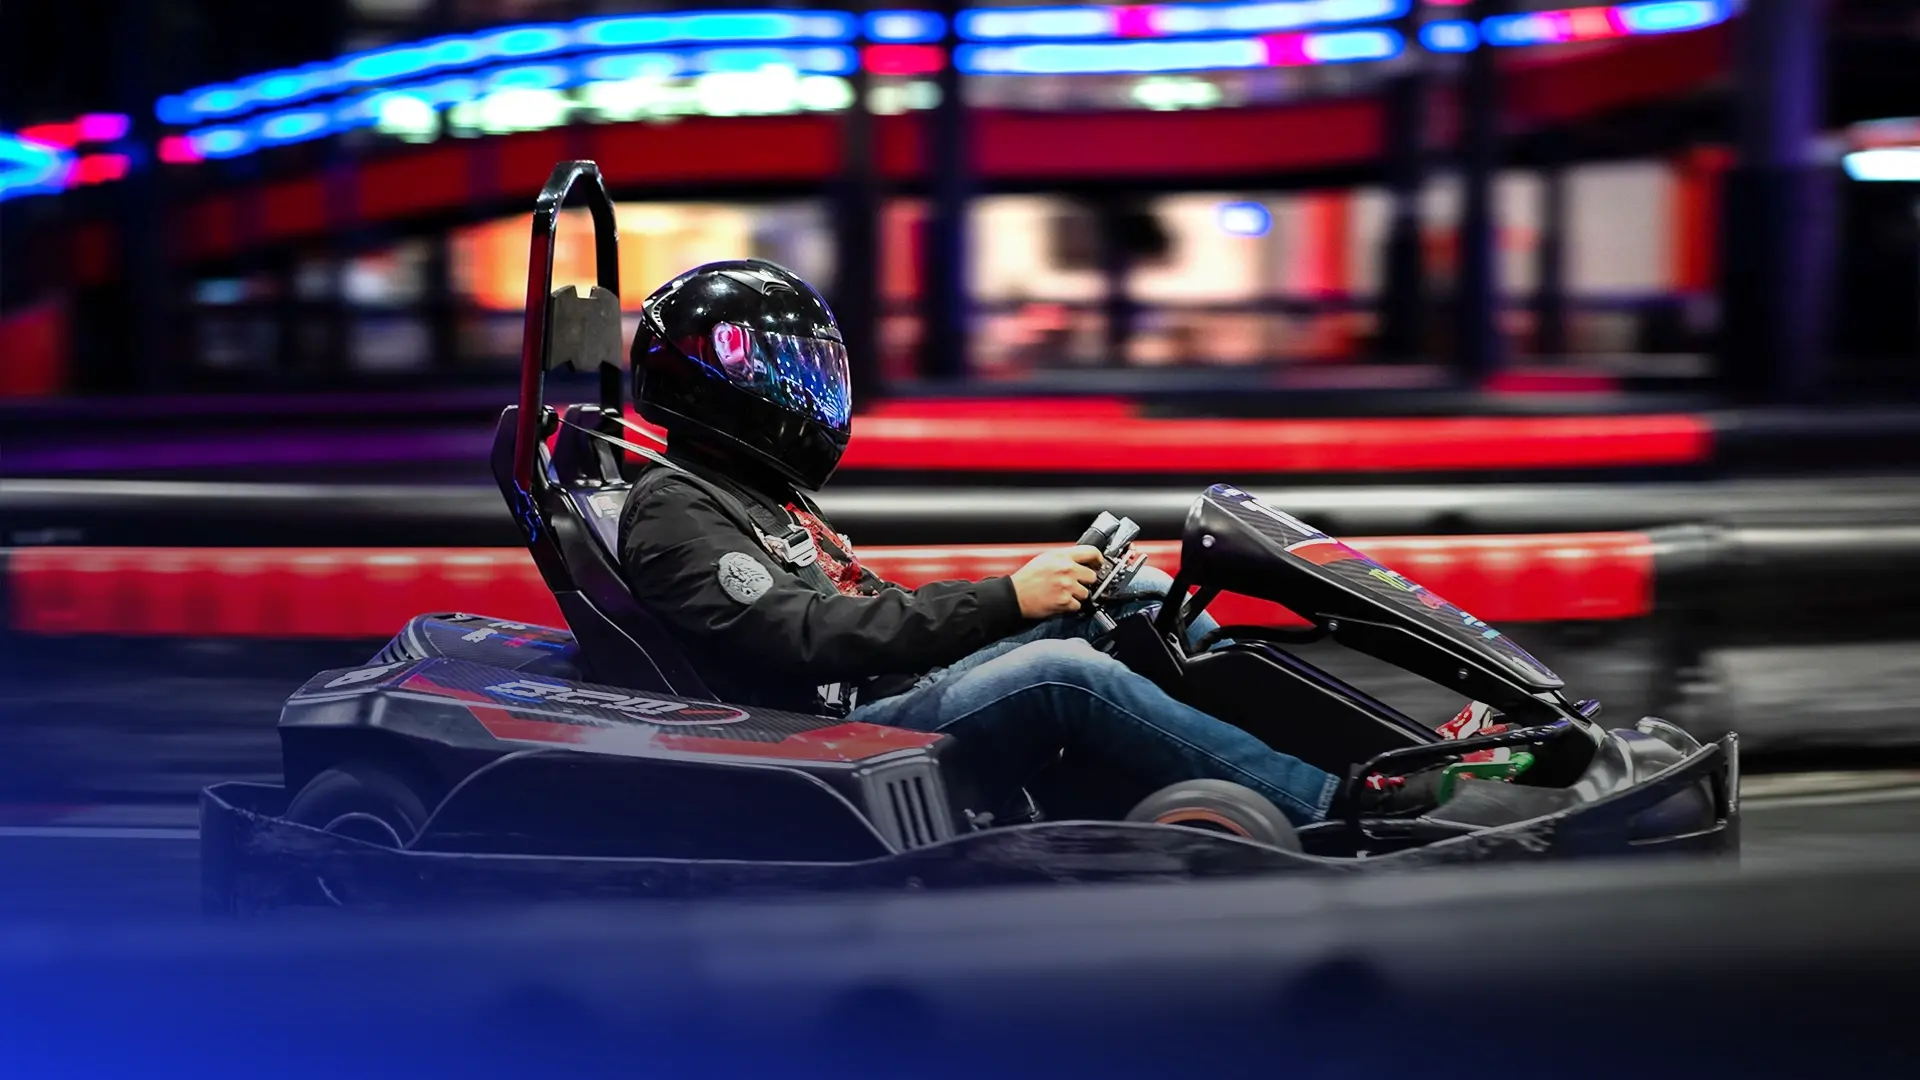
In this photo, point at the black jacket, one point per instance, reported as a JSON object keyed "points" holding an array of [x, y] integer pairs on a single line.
{"points": [[703, 552]]}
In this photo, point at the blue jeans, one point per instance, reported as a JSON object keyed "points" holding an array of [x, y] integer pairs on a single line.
{"points": [[1013, 706]]}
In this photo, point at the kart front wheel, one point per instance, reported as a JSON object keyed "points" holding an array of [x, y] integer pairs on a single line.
{"points": [[361, 801], [1219, 806]]}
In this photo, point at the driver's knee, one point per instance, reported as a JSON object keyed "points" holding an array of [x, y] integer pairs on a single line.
{"points": [[1060, 662], [1149, 583]]}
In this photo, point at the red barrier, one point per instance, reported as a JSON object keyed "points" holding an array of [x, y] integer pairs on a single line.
{"points": [[350, 592]]}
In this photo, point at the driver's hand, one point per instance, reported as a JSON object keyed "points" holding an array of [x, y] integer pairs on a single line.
{"points": [[1056, 582]]}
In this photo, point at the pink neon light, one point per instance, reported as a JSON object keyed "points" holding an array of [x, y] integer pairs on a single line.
{"points": [[178, 150], [1137, 20], [98, 169], [61, 135], [103, 127], [1286, 50], [904, 59]]}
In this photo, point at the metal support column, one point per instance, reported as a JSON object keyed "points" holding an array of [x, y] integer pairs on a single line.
{"points": [[145, 353], [856, 226], [1550, 259], [1403, 282], [1777, 213], [1478, 348], [1114, 224], [950, 175]]}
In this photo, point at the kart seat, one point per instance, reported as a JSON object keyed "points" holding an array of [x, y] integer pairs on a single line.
{"points": [[591, 472], [573, 534]]}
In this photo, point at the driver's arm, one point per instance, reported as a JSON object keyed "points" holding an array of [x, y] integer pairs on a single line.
{"points": [[699, 573]]}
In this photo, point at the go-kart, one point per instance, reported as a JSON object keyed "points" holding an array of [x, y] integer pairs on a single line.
{"points": [[478, 759]]}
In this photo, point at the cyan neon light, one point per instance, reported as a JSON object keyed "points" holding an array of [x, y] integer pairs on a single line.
{"points": [[1015, 24], [1886, 164], [31, 168], [1353, 46], [716, 26], [530, 77], [1670, 16]]}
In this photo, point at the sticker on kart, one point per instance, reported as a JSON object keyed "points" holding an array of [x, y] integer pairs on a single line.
{"points": [[639, 707]]}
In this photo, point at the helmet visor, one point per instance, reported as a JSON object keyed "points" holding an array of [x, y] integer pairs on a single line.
{"points": [[801, 373]]}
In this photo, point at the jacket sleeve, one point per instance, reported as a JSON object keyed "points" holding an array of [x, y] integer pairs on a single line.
{"points": [[698, 572]]}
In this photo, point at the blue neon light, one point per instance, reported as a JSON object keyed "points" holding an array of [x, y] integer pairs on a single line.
{"points": [[1450, 36], [1524, 29], [905, 27], [31, 168]]}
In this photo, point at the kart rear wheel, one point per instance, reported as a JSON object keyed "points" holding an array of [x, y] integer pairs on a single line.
{"points": [[1219, 806], [361, 801]]}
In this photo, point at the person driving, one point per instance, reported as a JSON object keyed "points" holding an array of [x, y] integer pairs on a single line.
{"points": [[743, 364]]}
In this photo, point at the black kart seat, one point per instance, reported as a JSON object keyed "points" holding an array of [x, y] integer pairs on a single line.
{"points": [[590, 471], [573, 534]]}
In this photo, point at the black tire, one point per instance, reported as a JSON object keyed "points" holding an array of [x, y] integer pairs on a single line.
{"points": [[362, 801], [1219, 806]]}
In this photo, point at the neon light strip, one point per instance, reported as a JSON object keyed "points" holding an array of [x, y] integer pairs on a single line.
{"points": [[1142, 57], [377, 67], [1168, 20], [363, 110], [31, 168], [510, 43], [983, 25]]}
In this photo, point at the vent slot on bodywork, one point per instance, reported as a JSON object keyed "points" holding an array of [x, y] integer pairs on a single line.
{"points": [[908, 806]]}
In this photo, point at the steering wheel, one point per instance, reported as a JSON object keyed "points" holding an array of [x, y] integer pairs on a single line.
{"points": [[1119, 563]]}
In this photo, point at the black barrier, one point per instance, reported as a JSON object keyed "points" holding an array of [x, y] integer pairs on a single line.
{"points": [[198, 514]]}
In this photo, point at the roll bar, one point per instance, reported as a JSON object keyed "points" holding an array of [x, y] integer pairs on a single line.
{"points": [[536, 342]]}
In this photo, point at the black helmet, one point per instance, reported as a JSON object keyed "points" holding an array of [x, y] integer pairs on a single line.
{"points": [[745, 356]]}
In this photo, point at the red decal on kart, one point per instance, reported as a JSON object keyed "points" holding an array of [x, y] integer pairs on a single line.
{"points": [[1324, 550]]}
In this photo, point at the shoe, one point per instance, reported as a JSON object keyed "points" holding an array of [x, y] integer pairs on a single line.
{"points": [[1411, 795]]}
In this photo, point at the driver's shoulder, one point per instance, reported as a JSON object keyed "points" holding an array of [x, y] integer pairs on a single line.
{"points": [[667, 508]]}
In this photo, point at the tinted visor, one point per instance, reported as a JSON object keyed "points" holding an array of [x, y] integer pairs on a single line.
{"points": [[803, 374]]}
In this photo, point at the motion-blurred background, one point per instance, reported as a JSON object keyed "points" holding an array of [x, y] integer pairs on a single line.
{"points": [[1602, 321]]}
